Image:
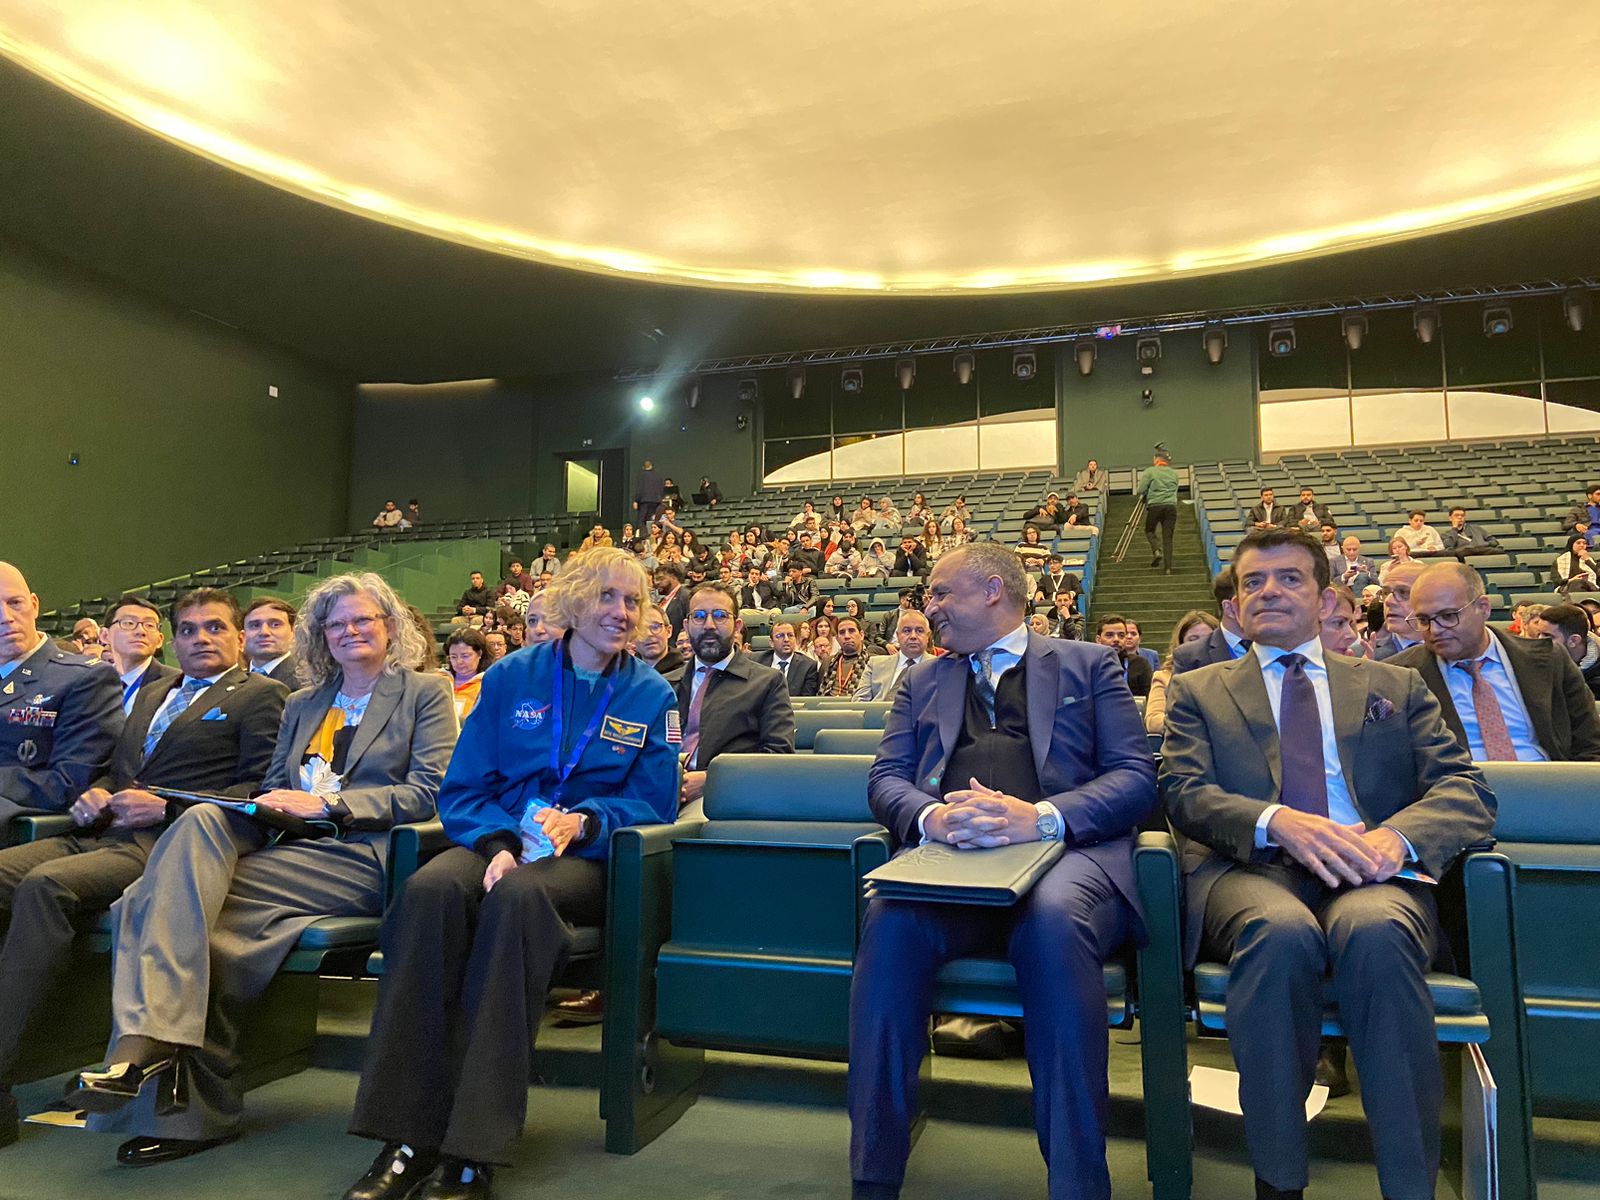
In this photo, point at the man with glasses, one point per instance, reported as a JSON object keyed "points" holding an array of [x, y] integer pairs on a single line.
{"points": [[1397, 634], [800, 671], [133, 635], [1506, 699], [727, 702], [269, 640], [653, 645]]}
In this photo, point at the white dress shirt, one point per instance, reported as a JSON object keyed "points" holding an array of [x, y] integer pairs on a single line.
{"points": [[267, 668], [1496, 671]]}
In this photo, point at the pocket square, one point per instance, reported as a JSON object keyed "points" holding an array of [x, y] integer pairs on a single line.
{"points": [[1066, 700], [216, 714], [1381, 709]]}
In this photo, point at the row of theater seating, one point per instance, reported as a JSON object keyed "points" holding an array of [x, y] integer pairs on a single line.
{"points": [[739, 932]]}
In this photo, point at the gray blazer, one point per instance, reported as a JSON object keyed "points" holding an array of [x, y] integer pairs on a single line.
{"points": [[397, 758], [1221, 767], [876, 679]]}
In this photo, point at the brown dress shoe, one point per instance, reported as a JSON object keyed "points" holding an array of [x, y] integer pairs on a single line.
{"points": [[586, 1008]]}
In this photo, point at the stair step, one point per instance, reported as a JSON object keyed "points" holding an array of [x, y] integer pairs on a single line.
{"points": [[1142, 593]]}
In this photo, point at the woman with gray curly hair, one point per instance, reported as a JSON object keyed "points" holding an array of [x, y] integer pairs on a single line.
{"points": [[362, 748]]}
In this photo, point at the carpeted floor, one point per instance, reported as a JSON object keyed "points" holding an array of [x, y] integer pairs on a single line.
{"points": [[766, 1128]]}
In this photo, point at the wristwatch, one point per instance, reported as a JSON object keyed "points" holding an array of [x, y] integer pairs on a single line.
{"points": [[1048, 824]]}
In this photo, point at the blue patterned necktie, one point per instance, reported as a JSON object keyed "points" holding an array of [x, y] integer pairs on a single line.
{"points": [[163, 719], [983, 683], [1305, 775]]}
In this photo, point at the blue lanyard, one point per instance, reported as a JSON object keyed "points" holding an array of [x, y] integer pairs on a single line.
{"points": [[562, 771]]}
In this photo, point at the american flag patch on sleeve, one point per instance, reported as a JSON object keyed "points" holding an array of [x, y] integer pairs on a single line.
{"points": [[674, 728]]}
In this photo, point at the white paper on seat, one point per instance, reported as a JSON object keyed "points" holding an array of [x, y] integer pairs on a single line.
{"points": [[1212, 1088]]}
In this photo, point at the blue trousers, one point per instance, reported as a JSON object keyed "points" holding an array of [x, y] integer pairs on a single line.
{"points": [[1058, 938]]}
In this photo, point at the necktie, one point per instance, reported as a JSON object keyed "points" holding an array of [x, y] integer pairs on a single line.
{"points": [[984, 684], [783, 666], [1492, 729], [691, 727], [163, 719], [1305, 779], [1244, 647]]}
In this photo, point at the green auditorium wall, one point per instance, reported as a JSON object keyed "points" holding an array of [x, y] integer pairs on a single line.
{"points": [[184, 459], [1203, 411]]}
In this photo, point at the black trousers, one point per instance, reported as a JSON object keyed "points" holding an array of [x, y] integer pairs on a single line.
{"points": [[1166, 516], [466, 976], [648, 509], [44, 885]]}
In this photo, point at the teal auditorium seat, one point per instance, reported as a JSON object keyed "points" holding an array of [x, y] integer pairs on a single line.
{"points": [[767, 904], [808, 721], [848, 741]]}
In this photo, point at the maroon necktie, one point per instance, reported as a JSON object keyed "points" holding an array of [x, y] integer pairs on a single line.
{"points": [[691, 728], [1305, 778]]}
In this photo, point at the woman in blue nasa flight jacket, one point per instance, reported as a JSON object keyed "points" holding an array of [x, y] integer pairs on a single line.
{"points": [[568, 742]]}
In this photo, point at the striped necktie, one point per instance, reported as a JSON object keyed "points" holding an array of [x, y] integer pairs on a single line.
{"points": [[175, 709]]}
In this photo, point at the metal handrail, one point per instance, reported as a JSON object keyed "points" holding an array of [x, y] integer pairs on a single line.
{"points": [[1126, 538]]}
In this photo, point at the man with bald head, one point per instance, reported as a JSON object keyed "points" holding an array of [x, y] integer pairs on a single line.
{"points": [[1397, 634], [60, 712], [1506, 699], [886, 672]]}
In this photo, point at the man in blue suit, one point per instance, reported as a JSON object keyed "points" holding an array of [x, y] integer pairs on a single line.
{"points": [[1009, 738]]}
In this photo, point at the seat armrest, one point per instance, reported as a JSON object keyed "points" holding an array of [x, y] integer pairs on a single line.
{"points": [[39, 826], [409, 847]]}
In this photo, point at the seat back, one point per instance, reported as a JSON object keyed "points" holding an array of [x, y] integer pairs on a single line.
{"points": [[809, 720], [848, 741]]}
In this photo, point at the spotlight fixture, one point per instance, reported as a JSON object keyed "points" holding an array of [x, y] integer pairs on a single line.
{"points": [[963, 369], [749, 391], [647, 404], [1215, 339], [692, 394], [1147, 398], [1146, 351], [1496, 321], [797, 382], [905, 372], [1086, 352], [1577, 307], [1281, 340], [742, 421], [1024, 365], [1425, 320], [850, 381], [1355, 329]]}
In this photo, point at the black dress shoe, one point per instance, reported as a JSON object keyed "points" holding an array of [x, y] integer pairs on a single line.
{"points": [[9, 1118], [107, 1091], [586, 1008], [1330, 1069], [1156, 561], [453, 1179], [1265, 1191], [398, 1171], [152, 1152]]}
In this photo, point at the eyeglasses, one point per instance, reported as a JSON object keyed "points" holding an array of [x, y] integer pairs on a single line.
{"points": [[720, 616], [361, 625], [129, 624], [1448, 619], [654, 627]]}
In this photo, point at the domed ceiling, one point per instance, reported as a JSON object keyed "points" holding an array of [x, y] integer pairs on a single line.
{"points": [[940, 148]]}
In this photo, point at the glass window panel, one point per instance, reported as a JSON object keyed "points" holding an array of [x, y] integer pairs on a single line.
{"points": [[1314, 423], [1471, 356], [941, 451], [1392, 357], [1568, 355], [1383, 417], [1000, 391], [782, 416], [1028, 441], [1567, 418], [1317, 361], [796, 460], [938, 397], [1572, 404], [1493, 414], [869, 457], [875, 408]]}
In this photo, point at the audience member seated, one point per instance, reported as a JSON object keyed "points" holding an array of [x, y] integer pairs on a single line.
{"points": [[799, 592], [1352, 569], [652, 645], [886, 674], [845, 561], [1522, 616], [956, 511], [919, 513], [878, 562], [1112, 630], [756, 592], [529, 804], [1249, 768], [805, 518], [478, 598], [519, 579], [1309, 514], [671, 494], [799, 670], [1048, 515], [1039, 623], [222, 901], [85, 639], [466, 656], [1465, 538], [1226, 641], [1399, 556], [1076, 515], [1585, 514], [1133, 644], [864, 517], [413, 515], [1574, 568], [1092, 786], [134, 639], [1055, 579], [841, 670], [1568, 625], [1418, 535], [389, 517], [932, 541], [1339, 631], [495, 644], [1031, 552], [1267, 513], [1504, 698], [1089, 480], [1065, 621], [1330, 544], [708, 493], [48, 885], [1398, 633], [46, 763], [809, 556], [1193, 627], [910, 559], [548, 562], [269, 640]]}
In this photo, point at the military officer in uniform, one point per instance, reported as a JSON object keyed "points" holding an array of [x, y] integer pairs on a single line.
{"points": [[60, 713]]}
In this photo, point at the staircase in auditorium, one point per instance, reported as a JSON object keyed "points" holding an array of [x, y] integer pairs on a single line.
{"points": [[1135, 589]]}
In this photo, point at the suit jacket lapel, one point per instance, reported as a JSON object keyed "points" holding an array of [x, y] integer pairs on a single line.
{"points": [[951, 698], [385, 697], [145, 706], [1244, 683], [206, 700], [1044, 682], [1348, 693], [310, 720], [1434, 678]]}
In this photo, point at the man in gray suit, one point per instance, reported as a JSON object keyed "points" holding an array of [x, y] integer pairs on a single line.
{"points": [[269, 640], [886, 673], [1398, 633], [1505, 698], [1309, 789], [1226, 642]]}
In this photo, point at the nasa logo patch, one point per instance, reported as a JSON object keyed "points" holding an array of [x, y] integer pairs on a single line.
{"points": [[528, 714]]}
